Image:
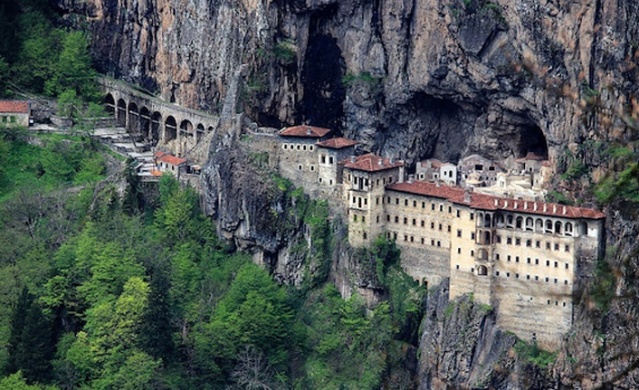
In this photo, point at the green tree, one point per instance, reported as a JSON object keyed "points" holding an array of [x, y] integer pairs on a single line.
{"points": [[73, 71], [31, 345], [156, 330]]}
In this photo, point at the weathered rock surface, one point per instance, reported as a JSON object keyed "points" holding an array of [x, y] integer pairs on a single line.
{"points": [[411, 79]]}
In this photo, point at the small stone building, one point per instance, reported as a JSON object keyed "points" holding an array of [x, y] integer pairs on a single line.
{"points": [[14, 113], [477, 171], [298, 157], [433, 170], [165, 162]]}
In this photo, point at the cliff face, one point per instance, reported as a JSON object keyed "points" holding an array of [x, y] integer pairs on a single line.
{"points": [[411, 79]]}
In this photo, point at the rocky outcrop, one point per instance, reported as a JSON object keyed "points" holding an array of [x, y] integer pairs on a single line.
{"points": [[409, 78]]}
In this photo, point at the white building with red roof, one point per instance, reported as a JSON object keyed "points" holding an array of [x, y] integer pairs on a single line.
{"points": [[14, 113], [166, 162]]}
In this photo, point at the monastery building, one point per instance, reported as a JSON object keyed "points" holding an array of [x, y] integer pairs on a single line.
{"points": [[519, 256]]}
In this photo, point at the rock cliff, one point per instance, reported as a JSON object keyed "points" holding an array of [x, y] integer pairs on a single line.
{"points": [[411, 79]]}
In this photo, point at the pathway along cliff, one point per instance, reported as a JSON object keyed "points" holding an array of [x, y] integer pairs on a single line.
{"points": [[421, 78]]}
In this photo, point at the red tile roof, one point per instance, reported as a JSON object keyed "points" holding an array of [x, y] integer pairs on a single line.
{"points": [[337, 143], [304, 131], [372, 163], [488, 202], [14, 106], [169, 158]]}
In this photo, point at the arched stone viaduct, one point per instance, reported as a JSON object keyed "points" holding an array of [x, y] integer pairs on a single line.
{"points": [[164, 124]]}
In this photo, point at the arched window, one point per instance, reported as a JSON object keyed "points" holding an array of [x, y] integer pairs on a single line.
{"points": [[499, 220], [539, 225], [482, 254], [568, 229], [480, 219], [486, 238], [558, 227], [548, 226], [583, 228], [482, 270], [509, 221], [519, 222], [529, 224], [487, 221]]}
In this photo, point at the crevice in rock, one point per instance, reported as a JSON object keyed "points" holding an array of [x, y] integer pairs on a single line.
{"points": [[324, 92]]}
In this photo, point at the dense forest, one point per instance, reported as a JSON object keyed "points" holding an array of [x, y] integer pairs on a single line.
{"points": [[109, 283]]}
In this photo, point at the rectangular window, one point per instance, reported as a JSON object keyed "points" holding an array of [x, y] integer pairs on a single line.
{"points": [[498, 238], [472, 216], [411, 238], [516, 259], [518, 241], [459, 251], [528, 260], [496, 273], [509, 240], [396, 200], [422, 240], [387, 218], [457, 266], [439, 243], [508, 258], [556, 247], [432, 242], [414, 222], [547, 263], [450, 209], [458, 213], [441, 208], [536, 261], [440, 227], [405, 237], [422, 223], [377, 219], [528, 243], [566, 265], [547, 246], [472, 235], [496, 256], [432, 206], [556, 264], [396, 219], [414, 203], [423, 205], [432, 225], [448, 228], [538, 244], [459, 233], [405, 221], [567, 248], [12, 119], [365, 235], [405, 202], [330, 160], [377, 200]]}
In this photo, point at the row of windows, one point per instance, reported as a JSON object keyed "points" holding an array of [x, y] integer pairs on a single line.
{"points": [[413, 221], [529, 243], [10, 119], [407, 238], [311, 167], [415, 203], [536, 262], [483, 271], [529, 224], [297, 147]]}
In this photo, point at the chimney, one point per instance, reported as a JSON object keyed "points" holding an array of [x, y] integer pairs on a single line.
{"points": [[564, 211], [411, 178], [554, 208], [352, 159], [496, 202], [515, 205], [467, 196], [505, 203], [535, 206], [437, 183], [308, 130], [525, 205], [380, 161], [545, 207], [391, 160]]}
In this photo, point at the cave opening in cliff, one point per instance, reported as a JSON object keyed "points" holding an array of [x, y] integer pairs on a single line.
{"points": [[532, 140], [322, 71]]}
